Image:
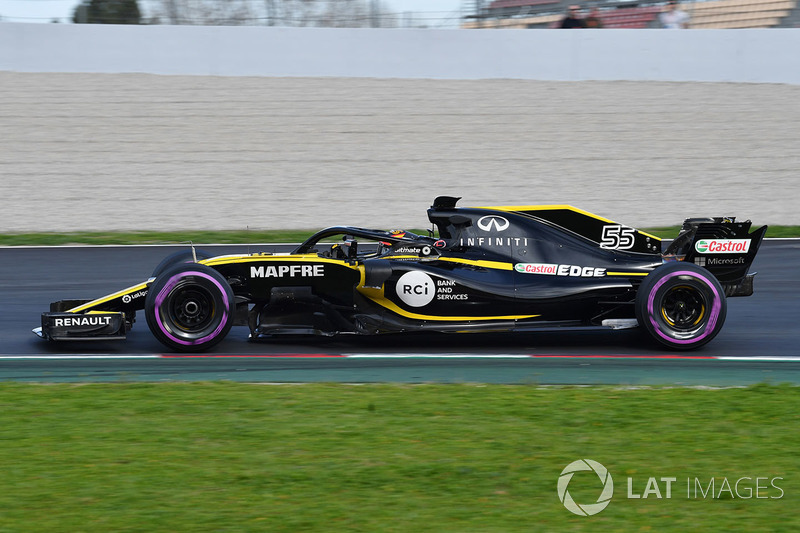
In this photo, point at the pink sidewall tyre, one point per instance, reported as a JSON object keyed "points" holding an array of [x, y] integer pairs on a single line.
{"points": [[681, 305], [189, 307]]}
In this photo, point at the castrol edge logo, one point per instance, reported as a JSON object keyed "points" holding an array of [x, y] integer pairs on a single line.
{"points": [[548, 269], [722, 246]]}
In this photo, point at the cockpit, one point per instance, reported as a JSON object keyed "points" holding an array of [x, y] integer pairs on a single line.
{"points": [[356, 244]]}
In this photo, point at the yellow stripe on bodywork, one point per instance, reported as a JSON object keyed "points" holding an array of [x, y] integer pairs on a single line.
{"points": [[388, 304], [498, 265], [377, 296], [523, 208], [627, 273], [104, 299], [309, 258], [649, 235], [230, 259], [510, 208]]}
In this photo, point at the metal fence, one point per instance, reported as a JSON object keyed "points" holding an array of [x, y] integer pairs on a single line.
{"points": [[484, 14]]}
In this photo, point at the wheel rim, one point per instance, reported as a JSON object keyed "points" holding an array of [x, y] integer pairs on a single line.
{"points": [[683, 307], [190, 309]]}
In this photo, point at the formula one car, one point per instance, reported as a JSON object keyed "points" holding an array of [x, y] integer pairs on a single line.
{"points": [[513, 268]]}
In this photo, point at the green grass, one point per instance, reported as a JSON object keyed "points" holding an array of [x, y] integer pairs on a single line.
{"points": [[438, 458], [242, 237]]}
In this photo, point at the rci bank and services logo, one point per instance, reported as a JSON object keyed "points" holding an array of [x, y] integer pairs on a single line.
{"points": [[585, 509]]}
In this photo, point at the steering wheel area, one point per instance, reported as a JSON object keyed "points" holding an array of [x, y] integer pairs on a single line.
{"points": [[342, 250]]}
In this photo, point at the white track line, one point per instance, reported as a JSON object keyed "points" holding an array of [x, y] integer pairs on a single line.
{"points": [[777, 358], [435, 356], [743, 359]]}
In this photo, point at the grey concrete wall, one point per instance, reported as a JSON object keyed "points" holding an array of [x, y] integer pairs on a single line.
{"points": [[698, 55], [137, 151]]}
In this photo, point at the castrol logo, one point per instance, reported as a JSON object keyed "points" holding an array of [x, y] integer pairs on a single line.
{"points": [[548, 269], [722, 246]]}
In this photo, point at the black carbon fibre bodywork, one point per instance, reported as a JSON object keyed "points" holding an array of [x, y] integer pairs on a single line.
{"points": [[480, 269]]}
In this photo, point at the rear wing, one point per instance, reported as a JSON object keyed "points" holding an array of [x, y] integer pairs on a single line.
{"points": [[724, 247]]}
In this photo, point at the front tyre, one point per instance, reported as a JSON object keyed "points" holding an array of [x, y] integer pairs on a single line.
{"points": [[181, 256], [189, 307], [681, 305]]}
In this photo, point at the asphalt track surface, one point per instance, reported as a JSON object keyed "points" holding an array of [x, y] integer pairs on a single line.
{"points": [[759, 342]]}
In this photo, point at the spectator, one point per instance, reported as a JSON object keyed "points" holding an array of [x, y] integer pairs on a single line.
{"points": [[572, 20], [674, 17], [593, 20]]}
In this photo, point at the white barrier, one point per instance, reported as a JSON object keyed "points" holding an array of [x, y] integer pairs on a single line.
{"points": [[760, 56]]}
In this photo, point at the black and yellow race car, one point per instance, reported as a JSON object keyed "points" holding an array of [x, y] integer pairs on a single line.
{"points": [[512, 268]]}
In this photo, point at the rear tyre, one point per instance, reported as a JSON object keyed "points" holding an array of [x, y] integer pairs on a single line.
{"points": [[182, 256], [681, 305], [189, 307]]}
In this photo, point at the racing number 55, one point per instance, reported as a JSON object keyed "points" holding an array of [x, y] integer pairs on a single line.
{"points": [[617, 237]]}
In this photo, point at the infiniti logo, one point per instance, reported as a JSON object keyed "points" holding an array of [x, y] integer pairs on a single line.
{"points": [[492, 221]]}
